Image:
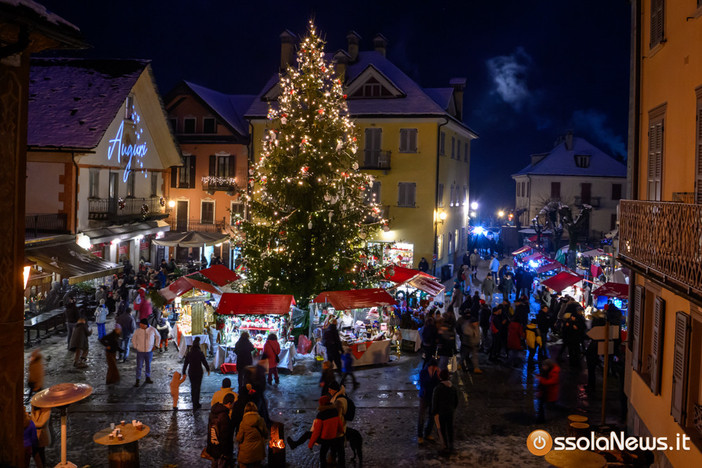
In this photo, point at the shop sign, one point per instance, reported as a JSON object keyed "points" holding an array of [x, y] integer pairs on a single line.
{"points": [[130, 155], [124, 249]]}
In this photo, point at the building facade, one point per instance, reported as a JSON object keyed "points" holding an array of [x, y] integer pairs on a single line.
{"points": [[412, 141], [213, 136], [660, 230], [575, 173], [99, 153]]}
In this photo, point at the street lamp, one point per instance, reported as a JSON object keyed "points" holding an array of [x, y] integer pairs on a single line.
{"points": [[500, 214], [474, 206], [171, 204]]}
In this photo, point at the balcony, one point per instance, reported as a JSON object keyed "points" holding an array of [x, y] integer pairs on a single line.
{"points": [[594, 202], [55, 223], [684, 197], [664, 241], [182, 225], [130, 209], [376, 159], [212, 184]]}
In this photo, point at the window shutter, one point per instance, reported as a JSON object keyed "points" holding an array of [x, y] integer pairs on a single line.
{"points": [[412, 190], [404, 140], [401, 189], [232, 166], [657, 22], [698, 166], [680, 357], [213, 166], [174, 177], [636, 328], [657, 345], [413, 140], [192, 171]]}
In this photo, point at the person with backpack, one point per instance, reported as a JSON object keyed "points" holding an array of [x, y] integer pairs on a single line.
{"points": [[328, 429], [220, 434]]}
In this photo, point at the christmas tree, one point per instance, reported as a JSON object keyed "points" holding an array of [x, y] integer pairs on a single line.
{"points": [[310, 207]]}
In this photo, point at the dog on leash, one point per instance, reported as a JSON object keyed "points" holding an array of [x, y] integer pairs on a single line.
{"points": [[356, 442]]}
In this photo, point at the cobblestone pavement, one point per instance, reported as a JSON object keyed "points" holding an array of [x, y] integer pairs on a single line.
{"points": [[494, 417]]}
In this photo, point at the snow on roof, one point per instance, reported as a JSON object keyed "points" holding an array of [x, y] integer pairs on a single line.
{"points": [[441, 96], [41, 12], [230, 107], [561, 161], [73, 101]]}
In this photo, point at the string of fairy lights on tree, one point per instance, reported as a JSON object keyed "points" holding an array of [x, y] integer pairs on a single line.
{"points": [[311, 208]]}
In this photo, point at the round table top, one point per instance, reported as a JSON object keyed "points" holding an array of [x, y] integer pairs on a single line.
{"points": [[575, 459], [577, 418], [130, 433], [61, 395]]}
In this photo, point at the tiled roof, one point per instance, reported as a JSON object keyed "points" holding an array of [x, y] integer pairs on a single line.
{"points": [[561, 161], [230, 107], [73, 101]]}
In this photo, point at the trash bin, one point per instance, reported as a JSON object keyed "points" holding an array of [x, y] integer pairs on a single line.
{"points": [[276, 446]]}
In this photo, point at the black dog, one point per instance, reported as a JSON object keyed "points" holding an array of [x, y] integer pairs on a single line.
{"points": [[356, 442]]}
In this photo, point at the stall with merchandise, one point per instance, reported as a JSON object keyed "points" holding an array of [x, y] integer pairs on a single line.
{"points": [[259, 315], [564, 282], [192, 304], [363, 322]]}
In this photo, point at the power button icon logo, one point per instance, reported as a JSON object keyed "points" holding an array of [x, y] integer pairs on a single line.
{"points": [[539, 442]]}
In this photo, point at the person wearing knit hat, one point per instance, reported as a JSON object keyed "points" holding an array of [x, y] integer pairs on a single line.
{"points": [[328, 430]]}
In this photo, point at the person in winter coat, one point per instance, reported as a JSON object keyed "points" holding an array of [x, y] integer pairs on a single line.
{"points": [[507, 285], [429, 335], [220, 433], [498, 328], [41, 418], [194, 362], [35, 380], [251, 436], [468, 331], [488, 288], [163, 330], [549, 387], [347, 367], [521, 311], [71, 314], [443, 405], [428, 380], [543, 322], [100, 318], [573, 335], [111, 344], [271, 350], [176, 381], [515, 333], [244, 356], [533, 342], [474, 262], [494, 267], [328, 429], [423, 265], [332, 342], [446, 344], [484, 318], [80, 343], [126, 321], [456, 299]]}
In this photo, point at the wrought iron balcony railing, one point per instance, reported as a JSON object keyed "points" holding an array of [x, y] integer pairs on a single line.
{"points": [[664, 239], [46, 223], [110, 209], [182, 225], [211, 184], [375, 159]]}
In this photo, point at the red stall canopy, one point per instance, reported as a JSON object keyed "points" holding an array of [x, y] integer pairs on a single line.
{"points": [[618, 290], [356, 299], [535, 256], [185, 284], [561, 281], [219, 274], [255, 304], [548, 267], [521, 250], [415, 278]]}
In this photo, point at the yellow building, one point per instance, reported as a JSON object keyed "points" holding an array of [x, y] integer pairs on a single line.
{"points": [[660, 229], [414, 143]]}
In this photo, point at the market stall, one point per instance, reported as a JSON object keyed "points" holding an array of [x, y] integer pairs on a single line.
{"points": [[563, 282], [192, 304], [617, 292], [368, 337], [259, 315], [218, 274]]}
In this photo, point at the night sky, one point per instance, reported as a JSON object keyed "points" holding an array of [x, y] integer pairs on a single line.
{"points": [[535, 68]]}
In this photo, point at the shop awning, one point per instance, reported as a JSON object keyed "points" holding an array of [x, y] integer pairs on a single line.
{"points": [[185, 284], [414, 278], [548, 267], [255, 304], [356, 299], [618, 290], [535, 256], [219, 274], [126, 231], [561, 281], [70, 261], [430, 285], [521, 250], [191, 239]]}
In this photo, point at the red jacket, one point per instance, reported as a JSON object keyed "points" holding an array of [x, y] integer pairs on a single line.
{"points": [[514, 335], [327, 425], [271, 349], [550, 384]]}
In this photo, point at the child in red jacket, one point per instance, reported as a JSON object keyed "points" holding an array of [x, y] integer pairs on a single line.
{"points": [[549, 387], [328, 429]]}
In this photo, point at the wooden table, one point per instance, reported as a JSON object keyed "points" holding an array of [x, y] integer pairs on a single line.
{"points": [[122, 453], [575, 459]]}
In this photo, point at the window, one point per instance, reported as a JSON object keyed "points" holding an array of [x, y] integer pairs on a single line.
{"points": [[582, 160], [131, 185], [209, 125], [184, 176], [154, 184], [440, 195], [585, 193], [613, 222], [527, 188], [453, 147], [688, 343], [129, 107], [681, 360], [408, 140], [372, 147], [442, 143], [189, 124], [519, 189], [465, 152], [450, 243], [372, 195], [222, 166], [656, 119], [440, 246], [237, 213], [657, 22], [94, 190], [616, 192], [406, 194], [207, 212], [556, 190], [174, 124], [458, 150], [451, 195], [465, 195]]}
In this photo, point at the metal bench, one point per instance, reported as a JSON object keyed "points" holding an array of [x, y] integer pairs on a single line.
{"points": [[44, 321]]}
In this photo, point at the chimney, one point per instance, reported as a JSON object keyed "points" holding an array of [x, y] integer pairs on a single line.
{"points": [[287, 49], [569, 140], [341, 61], [380, 43], [352, 39], [458, 84]]}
